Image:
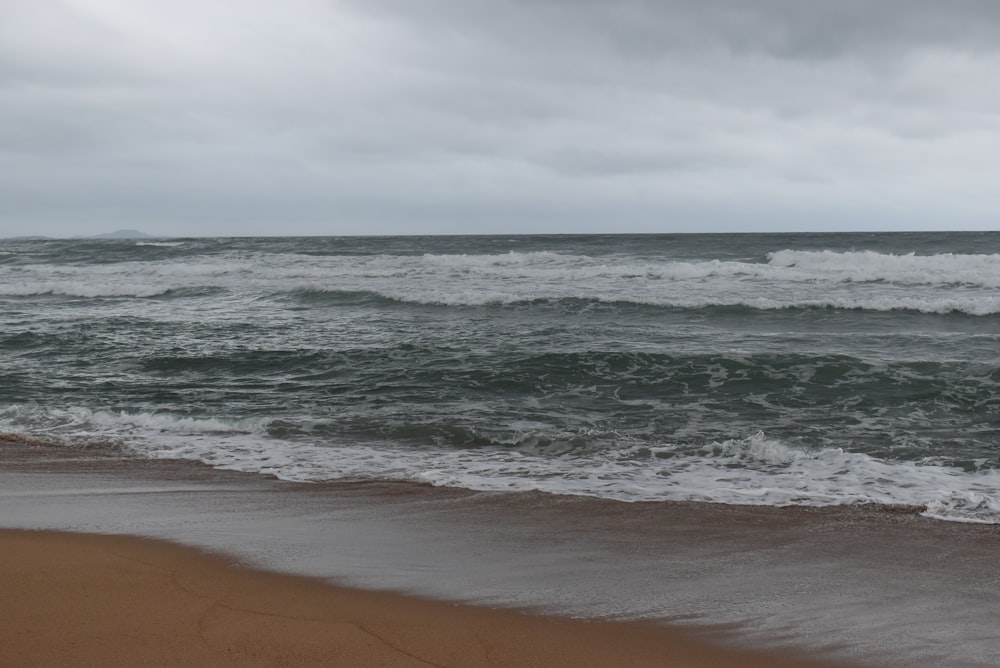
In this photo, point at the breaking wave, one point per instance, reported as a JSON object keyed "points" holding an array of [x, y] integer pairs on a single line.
{"points": [[945, 269], [753, 470]]}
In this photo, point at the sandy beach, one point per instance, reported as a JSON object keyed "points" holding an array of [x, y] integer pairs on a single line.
{"points": [[110, 560], [81, 599]]}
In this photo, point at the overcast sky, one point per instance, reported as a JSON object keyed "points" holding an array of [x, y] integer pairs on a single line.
{"points": [[235, 117]]}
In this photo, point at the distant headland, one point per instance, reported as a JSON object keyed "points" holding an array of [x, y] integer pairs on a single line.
{"points": [[117, 234]]}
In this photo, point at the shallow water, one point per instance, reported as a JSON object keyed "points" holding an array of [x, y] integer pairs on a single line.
{"points": [[872, 587]]}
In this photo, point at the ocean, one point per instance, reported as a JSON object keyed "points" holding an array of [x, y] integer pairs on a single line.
{"points": [[741, 369]]}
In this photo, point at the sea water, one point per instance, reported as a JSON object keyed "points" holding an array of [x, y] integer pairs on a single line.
{"points": [[768, 369]]}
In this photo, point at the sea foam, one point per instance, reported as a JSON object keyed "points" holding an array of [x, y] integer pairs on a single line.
{"points": [[754, 470], [933, 284]]}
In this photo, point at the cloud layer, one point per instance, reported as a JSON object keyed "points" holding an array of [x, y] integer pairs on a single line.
{"points": [[427, 116]]}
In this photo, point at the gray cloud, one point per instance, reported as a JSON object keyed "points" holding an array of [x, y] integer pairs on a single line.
{"points": [[439, 115]]}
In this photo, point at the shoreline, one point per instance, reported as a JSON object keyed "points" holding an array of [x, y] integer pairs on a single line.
{"points": [[74, 599], [861, 586]]}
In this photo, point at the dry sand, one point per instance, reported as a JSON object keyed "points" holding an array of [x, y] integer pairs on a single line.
{"points": [[94, 600]]}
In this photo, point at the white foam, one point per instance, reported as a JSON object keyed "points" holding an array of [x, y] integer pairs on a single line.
{"points": [[966, 506], [936, 284], [512, 258], [91, 289], [979, 305], [163, 423], [861, 266], [754, 470], [83, 421]]}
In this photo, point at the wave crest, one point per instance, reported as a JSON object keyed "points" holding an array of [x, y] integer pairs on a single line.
{"points": [[943, 269], [755, 470]]}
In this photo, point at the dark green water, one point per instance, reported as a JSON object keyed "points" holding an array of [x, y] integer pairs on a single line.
{"points": [[771, 369]]}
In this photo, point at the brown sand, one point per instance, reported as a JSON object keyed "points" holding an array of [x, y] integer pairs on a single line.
{"points": [[90, 600]]}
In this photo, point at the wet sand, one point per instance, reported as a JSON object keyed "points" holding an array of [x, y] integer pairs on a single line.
{"points": [[857, 586], [78, 599]]}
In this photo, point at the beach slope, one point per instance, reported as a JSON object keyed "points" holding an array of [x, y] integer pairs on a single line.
{"points": [[86, 599]]}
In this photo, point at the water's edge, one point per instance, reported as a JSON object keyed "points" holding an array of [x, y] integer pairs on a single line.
{"points": [[859, 583]]}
